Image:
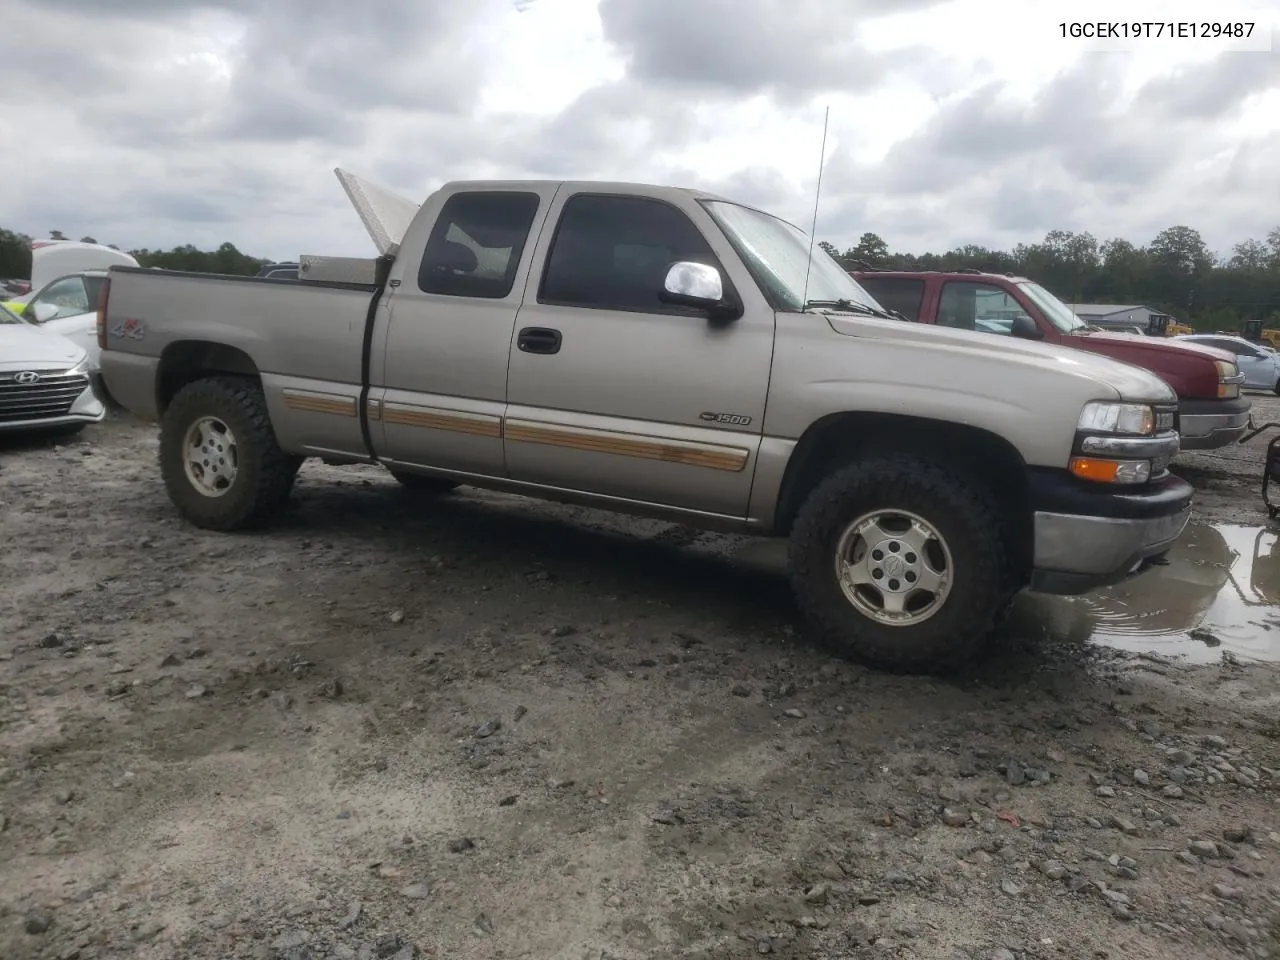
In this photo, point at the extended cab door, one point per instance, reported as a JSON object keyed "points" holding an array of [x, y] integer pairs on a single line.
{"points": [[615, 393], [444, 333]]}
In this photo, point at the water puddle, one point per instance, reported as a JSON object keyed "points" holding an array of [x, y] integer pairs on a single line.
{"points": [[1220, 591]]}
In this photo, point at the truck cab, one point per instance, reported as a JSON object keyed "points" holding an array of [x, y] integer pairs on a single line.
{"points": [[1211, 411]]}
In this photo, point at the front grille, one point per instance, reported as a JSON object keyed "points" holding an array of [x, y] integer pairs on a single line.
{"points": [[49, 397], [1166, 419]]}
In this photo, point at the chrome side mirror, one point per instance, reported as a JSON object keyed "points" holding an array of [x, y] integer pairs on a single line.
{"points": [[694, 284]]}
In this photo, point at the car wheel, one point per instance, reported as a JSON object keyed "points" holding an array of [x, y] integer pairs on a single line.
{"points": [[902, 564], [221, 463]]}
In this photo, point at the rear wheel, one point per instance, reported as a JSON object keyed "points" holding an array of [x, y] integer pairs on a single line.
{"points": [[902, 564], [219, 457], [429, 486]]}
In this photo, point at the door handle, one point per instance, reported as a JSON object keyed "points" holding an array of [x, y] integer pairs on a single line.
{"points": [[539, 340]]}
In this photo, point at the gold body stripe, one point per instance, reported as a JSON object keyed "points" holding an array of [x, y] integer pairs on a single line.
{"points": [[476, 424], [335, 404], [730, 459]]}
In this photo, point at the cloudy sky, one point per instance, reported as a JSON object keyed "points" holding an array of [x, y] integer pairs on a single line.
{"points": [[158, 122]]}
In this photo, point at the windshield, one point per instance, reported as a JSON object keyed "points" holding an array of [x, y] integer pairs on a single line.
{"points": [[8, 316], [1055, 311], [777, 254]]}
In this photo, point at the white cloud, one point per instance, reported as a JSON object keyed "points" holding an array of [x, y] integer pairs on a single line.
{"points": [[151, 123]]}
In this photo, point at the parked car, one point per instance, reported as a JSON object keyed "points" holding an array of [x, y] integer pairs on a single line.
{"points": [[673, 354], [1211, 411], [287, 270], [44, 380], [68, 306], [53, 259], [1258, 362]]}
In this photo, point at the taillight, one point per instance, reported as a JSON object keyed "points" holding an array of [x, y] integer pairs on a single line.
{"points": [[102, 313]]}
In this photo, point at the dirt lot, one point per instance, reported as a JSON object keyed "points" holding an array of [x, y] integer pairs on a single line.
{"points": [[492, 728]]}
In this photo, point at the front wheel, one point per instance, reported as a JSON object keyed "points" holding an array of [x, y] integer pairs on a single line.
{"points": [[1276, 388], [221, 463], [901, 564]]}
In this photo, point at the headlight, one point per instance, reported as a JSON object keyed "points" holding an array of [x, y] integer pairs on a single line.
{"points": [[1123, 443], [1137, 419], [1228, 379]]}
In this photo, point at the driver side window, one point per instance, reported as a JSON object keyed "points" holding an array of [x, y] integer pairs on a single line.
{"points": [[983, 307], [68, 296]]}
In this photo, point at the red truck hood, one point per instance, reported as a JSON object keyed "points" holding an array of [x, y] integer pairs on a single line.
{"points": [[1131, 341]]}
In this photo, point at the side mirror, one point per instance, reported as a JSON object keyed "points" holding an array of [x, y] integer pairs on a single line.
{"points": [[698, 285], [1025, 327], [43, 312]]}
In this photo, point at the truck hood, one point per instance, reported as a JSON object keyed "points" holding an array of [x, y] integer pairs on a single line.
{"points": [[24, 347], [1126, 381], [1157, 345]]}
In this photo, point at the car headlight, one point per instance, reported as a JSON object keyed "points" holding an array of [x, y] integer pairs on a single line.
{"points": [[1129, 418], [1228, 379], [1123, 443]]}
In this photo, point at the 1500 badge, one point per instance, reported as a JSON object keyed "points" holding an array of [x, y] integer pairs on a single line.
{"points": [[735, 419]]}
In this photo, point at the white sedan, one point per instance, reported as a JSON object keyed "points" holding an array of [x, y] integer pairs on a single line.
{"points": [[44, 380], [1259, 364]]}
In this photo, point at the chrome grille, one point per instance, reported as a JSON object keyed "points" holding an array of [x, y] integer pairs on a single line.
{"points": [[1165, 419], [48, 397]]}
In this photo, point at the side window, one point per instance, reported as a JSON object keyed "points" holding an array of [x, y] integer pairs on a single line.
{"points": [[67, 294], [612, 253], [896, 293], [977, 306], [475, 246]]}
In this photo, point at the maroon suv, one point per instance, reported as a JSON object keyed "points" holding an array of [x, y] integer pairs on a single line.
{"points": [[1211, 412]]}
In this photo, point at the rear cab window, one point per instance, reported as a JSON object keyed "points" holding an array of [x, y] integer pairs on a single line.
{"points": [[476, 243]]}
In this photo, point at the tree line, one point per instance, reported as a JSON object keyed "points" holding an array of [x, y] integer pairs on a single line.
{"points": [[15, 257], [1176, 273]]}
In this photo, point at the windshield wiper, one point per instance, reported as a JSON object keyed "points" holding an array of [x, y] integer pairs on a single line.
{"points": [[849, 306]]}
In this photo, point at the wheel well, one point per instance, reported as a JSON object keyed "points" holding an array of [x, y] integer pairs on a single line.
{"points": [[186, 361], [840, 438]]}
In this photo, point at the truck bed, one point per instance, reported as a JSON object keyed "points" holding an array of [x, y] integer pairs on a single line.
{"points": [[294, 333]]}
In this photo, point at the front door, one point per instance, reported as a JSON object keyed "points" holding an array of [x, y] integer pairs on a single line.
{"points": [[613, 392], [442, 374]]}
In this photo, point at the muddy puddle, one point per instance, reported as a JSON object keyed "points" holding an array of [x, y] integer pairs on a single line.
{"points": [[1219, 592]]}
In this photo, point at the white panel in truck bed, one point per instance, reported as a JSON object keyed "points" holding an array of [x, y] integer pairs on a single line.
{"points": [[385, 215], [338, 269]]}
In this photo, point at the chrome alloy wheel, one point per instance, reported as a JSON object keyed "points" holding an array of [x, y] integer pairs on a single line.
{"points": [[210, 456], [894, 567]]}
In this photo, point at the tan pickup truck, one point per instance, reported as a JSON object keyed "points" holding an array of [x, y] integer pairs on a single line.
{"points": [[674, 354]]}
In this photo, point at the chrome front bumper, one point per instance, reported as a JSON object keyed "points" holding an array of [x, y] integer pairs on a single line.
{"points": [[1209, 425], [1076, 554]]}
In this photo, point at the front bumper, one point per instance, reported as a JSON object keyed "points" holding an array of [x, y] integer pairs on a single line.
{"points": [[1087, 538], [86, 408], [1208, 424]]}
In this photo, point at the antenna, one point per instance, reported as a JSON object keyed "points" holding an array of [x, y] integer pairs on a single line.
{"points": [[822, 157]]}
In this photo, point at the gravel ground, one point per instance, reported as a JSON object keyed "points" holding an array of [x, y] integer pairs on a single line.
{"points": [[494, 728]]}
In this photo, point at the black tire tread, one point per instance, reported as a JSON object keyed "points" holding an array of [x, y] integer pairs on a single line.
{"points": [[267, 469], [852, 636]]}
